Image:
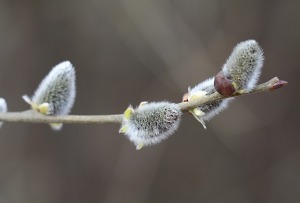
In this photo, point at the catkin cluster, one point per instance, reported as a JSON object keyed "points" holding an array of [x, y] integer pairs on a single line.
{"points": [[150, 123]]}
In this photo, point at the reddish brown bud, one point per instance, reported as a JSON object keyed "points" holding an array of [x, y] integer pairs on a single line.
{"points": [[223, 85], [279, 84]]}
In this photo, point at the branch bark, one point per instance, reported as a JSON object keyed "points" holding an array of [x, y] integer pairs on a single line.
{"points": [[31, 116]]}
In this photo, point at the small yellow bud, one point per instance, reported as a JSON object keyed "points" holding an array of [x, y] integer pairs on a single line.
{"points": [[139, 146], [56, 126], [197, 112], [123, 129], [128, 112], [43, 108]]}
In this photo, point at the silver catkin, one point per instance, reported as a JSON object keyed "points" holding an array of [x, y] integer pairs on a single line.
{"points": [[57, 89], [56, 93], [151, 123], [3, 108], [244, 64]]}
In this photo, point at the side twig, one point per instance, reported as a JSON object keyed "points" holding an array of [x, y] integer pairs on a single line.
{"points": [[31, 116]]}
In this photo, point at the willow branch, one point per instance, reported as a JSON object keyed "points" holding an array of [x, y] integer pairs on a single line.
{"points": [[31, 116]]}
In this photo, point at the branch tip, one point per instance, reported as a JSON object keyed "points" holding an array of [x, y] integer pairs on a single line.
{"points": [[278, 84]]}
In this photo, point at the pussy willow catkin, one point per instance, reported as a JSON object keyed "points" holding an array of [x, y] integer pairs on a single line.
{"points": [[56, 93], [150, 123], [244, 64]]}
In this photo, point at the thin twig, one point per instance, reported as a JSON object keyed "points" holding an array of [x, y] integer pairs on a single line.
{"points": [[31, 116]]}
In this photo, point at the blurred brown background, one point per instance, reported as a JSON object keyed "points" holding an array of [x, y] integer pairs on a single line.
{"points": [[128, 51]]}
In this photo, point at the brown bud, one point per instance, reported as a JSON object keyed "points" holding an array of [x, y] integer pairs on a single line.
{"points": [[223, 85], [279, 84]]}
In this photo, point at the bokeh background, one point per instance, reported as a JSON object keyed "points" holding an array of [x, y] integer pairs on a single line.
{"points": [[128, 51]]}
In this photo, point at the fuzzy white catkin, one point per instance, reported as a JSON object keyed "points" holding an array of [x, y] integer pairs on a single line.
{"points": [[151, 123], [57, 92], [244, 64], [3, 108]]}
